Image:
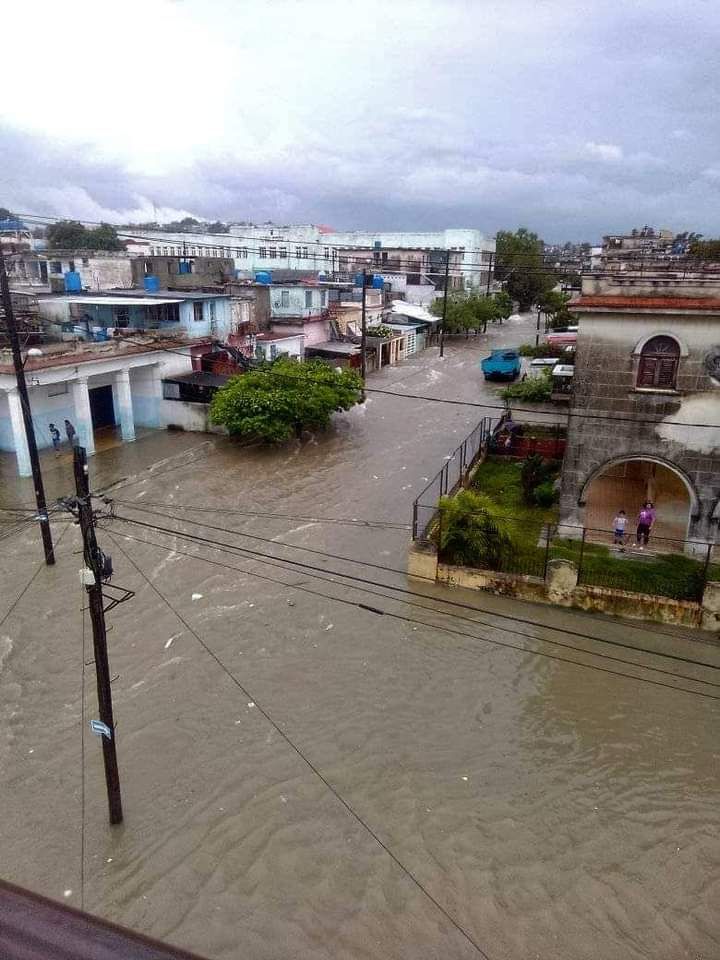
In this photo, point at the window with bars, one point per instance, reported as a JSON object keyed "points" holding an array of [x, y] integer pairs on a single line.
{"points": [[659, 361], [298, 253]]}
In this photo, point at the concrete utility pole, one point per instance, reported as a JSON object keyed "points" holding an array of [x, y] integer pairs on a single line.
{"points": [[363, 327], [42, 513], [490, 267], [445, 296], [94, 561]]}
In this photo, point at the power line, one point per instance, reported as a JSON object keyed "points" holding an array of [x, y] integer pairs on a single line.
{"points": [[282, 564], [306, 760], [230, 511], [515, 409], [278, 543], [466, 606]]}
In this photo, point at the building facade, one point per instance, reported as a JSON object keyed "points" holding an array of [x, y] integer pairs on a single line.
{"points": [[97, 387], [644, 419], [315, 248]]}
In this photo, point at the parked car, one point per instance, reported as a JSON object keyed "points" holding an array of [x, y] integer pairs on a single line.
{"points": [[502, 364], [562, 337]]}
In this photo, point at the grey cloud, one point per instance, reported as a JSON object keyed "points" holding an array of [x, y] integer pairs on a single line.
{"points": [[574, 120]]}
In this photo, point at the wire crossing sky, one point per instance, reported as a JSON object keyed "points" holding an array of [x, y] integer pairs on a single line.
{"points": [[572, 118]]}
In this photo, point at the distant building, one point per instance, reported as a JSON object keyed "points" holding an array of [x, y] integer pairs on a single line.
{"points": [[183, 273], [309, 247], [15, 236], [647, 363]]}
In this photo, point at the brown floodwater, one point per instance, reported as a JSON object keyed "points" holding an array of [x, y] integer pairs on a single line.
{"points": [[306, 778]]}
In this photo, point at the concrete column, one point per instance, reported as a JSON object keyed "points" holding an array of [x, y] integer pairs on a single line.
{"points": [[18, 431], [124, 401], [83, 417]]}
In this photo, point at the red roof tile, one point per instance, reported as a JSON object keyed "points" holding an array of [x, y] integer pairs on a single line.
{"points": [[647, 303]]}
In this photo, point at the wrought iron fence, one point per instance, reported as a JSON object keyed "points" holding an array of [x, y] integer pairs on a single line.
{"points": [[451, 475], [666, 567]]}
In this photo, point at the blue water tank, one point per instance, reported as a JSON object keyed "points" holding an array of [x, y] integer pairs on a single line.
{"points": [[263, 276], [151, 284], [378, 282], [73, 282], [358, 282]]}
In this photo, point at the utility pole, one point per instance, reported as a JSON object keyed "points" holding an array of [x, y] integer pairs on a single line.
{"points": [[445, 296], [42, 513], [490, 266], [363, 328], [94, 561]]}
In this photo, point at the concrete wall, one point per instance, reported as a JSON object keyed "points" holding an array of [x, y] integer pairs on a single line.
{"points": [[604, 384], [294, 347], [314, 331], [206, 271], [97, 271], [292, 301], [183, 415]]}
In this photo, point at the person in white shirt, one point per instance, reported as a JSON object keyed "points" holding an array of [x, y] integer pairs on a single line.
{"points": [[619, 524]]}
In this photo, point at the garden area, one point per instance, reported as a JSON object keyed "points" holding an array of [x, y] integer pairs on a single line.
{"points": [[501, 523]]}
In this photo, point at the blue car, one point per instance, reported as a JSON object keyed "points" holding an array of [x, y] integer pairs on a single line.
{"points": [[502, 364]]}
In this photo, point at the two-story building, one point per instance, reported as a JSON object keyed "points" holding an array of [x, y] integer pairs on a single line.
{"points": [[299, 309], [644, 421]]}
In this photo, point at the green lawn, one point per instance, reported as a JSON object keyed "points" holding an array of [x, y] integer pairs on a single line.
{"points": [[667, 575], [499, 478], [664, 575]]}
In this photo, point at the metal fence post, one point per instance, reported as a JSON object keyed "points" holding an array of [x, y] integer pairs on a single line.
{"points": [[582, 551], [706, 567], [439, 543], [414, 520], [548, 528]]}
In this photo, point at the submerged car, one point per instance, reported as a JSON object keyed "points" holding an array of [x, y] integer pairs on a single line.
{"points": [[502, 364]]}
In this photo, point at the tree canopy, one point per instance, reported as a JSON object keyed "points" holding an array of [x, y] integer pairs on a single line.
{"points": [[705, 249], [72, 235], [279, 400], [467, 312], [555, 305], [519, 263]]}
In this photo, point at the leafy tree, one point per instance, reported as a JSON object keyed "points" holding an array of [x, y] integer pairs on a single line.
{"points": [[472, 531], [554, 304], [279, 400], [467, 312], [519, 263], [104, 237], [503, 304], [705, 249], [72, 235], [67, 235]]}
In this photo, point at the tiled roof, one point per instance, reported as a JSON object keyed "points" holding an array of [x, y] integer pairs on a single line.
{"points": [[647, 303]]}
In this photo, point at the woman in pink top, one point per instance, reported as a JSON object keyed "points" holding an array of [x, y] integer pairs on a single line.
{"points": [[645, 520]]}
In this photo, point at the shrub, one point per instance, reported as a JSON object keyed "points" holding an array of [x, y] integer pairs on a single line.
{"points": [[545, 494], [472, 533], [532, 390]]}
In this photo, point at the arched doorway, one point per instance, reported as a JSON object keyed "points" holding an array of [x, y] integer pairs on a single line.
{"points": [[626, 485]]}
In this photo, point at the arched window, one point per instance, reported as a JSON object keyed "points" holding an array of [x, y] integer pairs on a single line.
{"points": [[659, 361]]}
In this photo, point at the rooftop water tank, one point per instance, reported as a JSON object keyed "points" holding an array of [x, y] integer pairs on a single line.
{"points": [[263, 276], [378, 282], [73, 282], [151, 284]]}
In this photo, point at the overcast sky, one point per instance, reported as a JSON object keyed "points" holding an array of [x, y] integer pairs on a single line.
{"points": [[572, 118]]}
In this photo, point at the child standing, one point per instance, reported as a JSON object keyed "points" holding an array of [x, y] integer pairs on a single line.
{"points": [[619, 524]]}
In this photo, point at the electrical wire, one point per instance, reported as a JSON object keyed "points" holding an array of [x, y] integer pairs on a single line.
{"points": [[282, 564], [306, 760], [230, 511], [460, 604]]}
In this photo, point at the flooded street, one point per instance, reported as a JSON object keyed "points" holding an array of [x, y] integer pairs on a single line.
{"points": [[316, 765]]}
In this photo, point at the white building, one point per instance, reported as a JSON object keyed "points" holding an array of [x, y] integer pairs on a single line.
{"points": [[113, 386], [308, 247], [106, 368]]}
